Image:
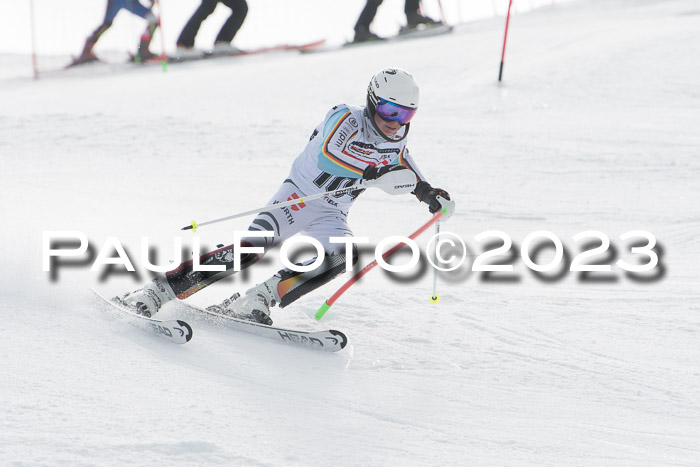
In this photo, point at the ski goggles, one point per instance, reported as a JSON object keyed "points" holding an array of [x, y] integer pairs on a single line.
{"points": [[394, 112]]}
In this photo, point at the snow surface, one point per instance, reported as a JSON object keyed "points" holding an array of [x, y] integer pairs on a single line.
{"points": [[595, 127]]}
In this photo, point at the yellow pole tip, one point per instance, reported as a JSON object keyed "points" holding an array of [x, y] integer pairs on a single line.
{"points": [[435, 299], [194, 226]]}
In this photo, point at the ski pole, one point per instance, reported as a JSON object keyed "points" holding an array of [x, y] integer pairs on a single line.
{"points": [[394, 183], [434, 298], [505, 36], [363, 183], [328, 303]]}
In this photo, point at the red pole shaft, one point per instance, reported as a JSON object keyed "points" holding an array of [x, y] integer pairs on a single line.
{"points": [[442, 12], [33, 23], [371, 265], [505, 36], [163, 56]]}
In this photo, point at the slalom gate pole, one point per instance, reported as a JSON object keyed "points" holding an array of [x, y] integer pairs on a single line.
{"points": [[33, 25], [505, 36], [163, 56], [328, 303], [442, 12], [434, 298]]}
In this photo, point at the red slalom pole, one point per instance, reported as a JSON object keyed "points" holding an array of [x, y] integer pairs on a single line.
{"points": [[505, 36], [442, 12], [163, 56], [328, 303], [33, 24]]}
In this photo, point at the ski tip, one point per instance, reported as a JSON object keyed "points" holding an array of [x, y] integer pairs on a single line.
{"points": [[343, 340], [189, 329]]}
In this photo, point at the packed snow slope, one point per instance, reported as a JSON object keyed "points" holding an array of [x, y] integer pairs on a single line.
{"points": [[595, 127]]}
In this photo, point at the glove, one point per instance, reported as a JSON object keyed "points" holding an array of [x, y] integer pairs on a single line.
{"points": [[429, 195], [373, 173]]}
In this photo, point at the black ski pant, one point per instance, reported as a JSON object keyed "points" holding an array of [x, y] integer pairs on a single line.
{"points": [[239, 10], [370, 11]]}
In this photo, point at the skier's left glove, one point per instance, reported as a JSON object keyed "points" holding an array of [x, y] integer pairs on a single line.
{"points": [[435, 198], [373, 173]]}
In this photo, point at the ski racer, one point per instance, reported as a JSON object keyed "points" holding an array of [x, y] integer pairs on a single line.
{"points": [[413, 19], [113, 7], [352, 143], [222, 43]]}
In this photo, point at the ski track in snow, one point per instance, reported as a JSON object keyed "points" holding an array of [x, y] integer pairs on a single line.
{"points": [[593, 128]]}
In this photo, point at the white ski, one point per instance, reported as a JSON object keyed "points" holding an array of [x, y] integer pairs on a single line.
{"points": [[329, 340], [413, 33], [175, 330]]}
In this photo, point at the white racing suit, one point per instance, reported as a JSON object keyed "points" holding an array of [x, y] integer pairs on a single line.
{"points": [[340, 149]]}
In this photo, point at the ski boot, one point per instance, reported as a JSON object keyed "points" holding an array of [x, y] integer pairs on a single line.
{"points": [[183, 53], [85, 57], [222, 49], [144, 56], [226, 307], [365, 35], [415, 20], [254, 306], [148, 300]]}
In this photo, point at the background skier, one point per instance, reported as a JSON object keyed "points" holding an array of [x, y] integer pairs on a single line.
{"points": [[113, 7], [413, 19], [222, 43]]}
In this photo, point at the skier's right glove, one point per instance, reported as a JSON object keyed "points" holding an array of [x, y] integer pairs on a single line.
{"points": [[373, 173], [435, 198]]}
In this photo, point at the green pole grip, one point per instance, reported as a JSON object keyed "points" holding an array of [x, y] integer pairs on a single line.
{"points": [[322, 311]]}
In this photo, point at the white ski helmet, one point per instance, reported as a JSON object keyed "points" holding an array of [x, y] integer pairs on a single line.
{"points": [[392, 85]]}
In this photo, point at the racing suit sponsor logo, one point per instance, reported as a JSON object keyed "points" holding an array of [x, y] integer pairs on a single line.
{"points": [[296, 207], [367, 149], [342, 136], [359, 149], [287, 213], [290, 217], [330, 201]]}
